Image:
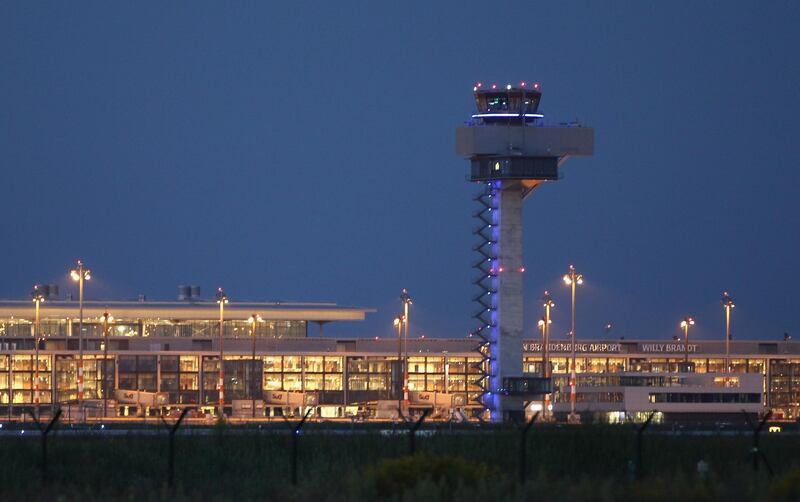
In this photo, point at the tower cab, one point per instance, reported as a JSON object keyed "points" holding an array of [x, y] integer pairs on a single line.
{"points": [[508, 104]]}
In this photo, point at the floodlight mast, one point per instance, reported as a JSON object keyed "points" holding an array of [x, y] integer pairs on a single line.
{"points": [[511, 152]]}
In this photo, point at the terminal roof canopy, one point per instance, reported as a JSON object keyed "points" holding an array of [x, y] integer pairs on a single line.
{"points": [[185, 310]]}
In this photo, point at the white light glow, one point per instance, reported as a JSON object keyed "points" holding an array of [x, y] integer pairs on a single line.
{"points": [[507, 115]]}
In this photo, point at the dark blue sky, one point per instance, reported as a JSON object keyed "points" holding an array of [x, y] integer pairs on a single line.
{"points": [[304, 151]]}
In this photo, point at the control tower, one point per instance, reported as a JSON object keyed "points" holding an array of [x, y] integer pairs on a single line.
{"points": [[511, 152]]}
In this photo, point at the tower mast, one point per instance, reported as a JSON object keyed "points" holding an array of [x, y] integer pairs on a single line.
{"points": [[511, 152]]}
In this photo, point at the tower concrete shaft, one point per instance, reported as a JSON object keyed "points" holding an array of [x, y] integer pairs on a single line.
{"points": [[501, 300], [509, 296]]}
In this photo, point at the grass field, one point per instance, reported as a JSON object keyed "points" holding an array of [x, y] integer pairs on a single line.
{"points": [[564, 463]]}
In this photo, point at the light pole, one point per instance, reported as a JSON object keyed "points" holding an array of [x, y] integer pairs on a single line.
{"points": [[398, 323], [573, 279], [253, 320], [540, 325], [80, 274], [687, 321], [38, 299], [406, 299], [107, 318], [547, 304], [222, 299], [727, 304]]}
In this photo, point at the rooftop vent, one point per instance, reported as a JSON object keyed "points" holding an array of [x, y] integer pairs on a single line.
{"points": [[188, 293], [49, 291]]}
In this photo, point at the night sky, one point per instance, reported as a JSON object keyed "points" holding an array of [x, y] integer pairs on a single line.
{"points": [[305, 151]]}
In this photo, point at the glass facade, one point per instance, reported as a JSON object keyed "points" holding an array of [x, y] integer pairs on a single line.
{"points": [[784, 386], [23, 374], [337, 374], [233, 329], [93, 328], [66, 377], [705, 397], [533, 364], [560, 364]]}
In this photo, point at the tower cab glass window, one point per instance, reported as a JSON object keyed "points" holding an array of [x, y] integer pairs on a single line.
{"points": [[504, 102], [496, 102]]}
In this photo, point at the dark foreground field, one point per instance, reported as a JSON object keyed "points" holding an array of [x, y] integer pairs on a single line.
{"points": [[564, 463]]}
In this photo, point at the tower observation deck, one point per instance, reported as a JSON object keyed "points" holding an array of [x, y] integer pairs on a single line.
{"points": [[511, 152]]}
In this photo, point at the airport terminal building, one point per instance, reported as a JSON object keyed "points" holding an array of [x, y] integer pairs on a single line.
{"points": [[160, 356]]}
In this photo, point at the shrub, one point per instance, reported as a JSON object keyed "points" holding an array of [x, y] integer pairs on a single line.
{"points": [[788, 486], [396, 475]]}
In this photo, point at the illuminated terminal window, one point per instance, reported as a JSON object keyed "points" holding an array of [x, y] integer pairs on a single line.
{"points": [[305, 373], [704, 397], [66, 374], [233, 329]]}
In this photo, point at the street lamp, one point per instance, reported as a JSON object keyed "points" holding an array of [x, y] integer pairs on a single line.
{"points": [[80, 274], [573, 279], [547, 303], [687, 321], [398, 323], [107, 318], [222, 299], [253, 320], [727, 304], [540, 325], [38, 299], [406, 299]]}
